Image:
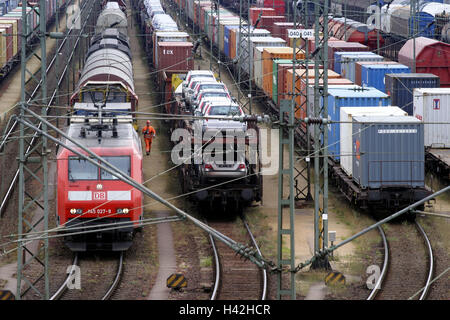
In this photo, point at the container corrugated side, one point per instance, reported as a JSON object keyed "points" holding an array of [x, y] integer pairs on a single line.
{"points": [[258, 67], [388, 152], [374, 75], [348, 64], [400, 87], [346, 129], [431, 105], [338, 56], [345, 96]]}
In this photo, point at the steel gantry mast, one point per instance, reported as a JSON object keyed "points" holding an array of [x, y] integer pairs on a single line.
{"points": [[300, 130], [321, 133], [243, 51], [214, 27], [33, 172], [33, 165]]}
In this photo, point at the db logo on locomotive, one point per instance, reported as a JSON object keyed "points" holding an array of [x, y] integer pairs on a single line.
{"points": [[99, 195]]}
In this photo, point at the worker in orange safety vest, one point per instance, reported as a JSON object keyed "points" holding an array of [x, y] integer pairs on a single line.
{"points": [[149, 132]]}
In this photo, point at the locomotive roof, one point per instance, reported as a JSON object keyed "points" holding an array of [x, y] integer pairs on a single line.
{"points": [[126, 136]]}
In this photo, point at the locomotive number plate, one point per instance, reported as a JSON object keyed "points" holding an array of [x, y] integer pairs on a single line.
{"points": [[100, 211]]}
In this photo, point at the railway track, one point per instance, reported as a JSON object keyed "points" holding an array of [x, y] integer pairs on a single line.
{"points": [[59, 294], [403, 274], [236, 278]]}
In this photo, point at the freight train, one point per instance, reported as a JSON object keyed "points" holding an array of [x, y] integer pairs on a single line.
{"points": [[212, 178], [11, 30], [394, 21], [379, 175], [102, 121]]}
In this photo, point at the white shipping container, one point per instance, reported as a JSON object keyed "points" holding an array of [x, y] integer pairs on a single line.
{"points": [[348, 64], [226, 20], [258, 42], [346, 128], [253, 33], [258, 67], [431, 106]]}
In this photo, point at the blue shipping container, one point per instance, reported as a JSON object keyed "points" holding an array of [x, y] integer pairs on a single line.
{"points": [[373, 75], [226, 39], [388, 152], [348, 96], [348, 63], [339, 54], [400, 87]]}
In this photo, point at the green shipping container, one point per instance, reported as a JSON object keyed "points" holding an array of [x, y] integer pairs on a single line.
{"points": [[276, 63]]}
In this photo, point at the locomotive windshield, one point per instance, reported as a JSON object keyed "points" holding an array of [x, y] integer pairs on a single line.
{"points": [[121, 163], [80, 169], [98, 95]]}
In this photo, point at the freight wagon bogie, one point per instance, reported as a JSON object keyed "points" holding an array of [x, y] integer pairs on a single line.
{"points": [[438, 163], [119, 238], [379, 202]]}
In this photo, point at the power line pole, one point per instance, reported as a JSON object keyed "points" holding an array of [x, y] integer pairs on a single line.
{"points": [[33, 172], [413, 9], [287, 195], [33, 165], [243, 50], [215, 11], [321, 133]]}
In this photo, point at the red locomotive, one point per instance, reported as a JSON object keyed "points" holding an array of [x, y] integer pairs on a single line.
{"points": [[89, 196], [96, 210]]}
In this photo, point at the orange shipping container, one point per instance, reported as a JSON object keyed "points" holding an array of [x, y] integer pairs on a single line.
{"points": [[331, 81], [232, 44], [301, 73], [275, 53]]}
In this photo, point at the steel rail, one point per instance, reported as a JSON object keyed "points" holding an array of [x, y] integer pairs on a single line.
{"points": [[63, 288], [101, 163], [383, 272], [218, 270], [117, 279], [264, 271], [35, 136], [431, 265]]}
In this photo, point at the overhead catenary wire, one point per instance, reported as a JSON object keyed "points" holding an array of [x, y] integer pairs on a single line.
{"points": [[101, 163]]}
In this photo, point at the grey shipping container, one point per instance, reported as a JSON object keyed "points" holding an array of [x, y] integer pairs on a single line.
{"points": [[388, 152], [400, 87]]}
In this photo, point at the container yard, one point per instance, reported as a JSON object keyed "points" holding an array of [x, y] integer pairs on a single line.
{"points": [[235, 151]]}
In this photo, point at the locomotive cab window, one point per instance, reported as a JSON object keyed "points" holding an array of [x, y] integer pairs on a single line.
{"points": [[117, 96], [122, 163], [80, 169]]}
